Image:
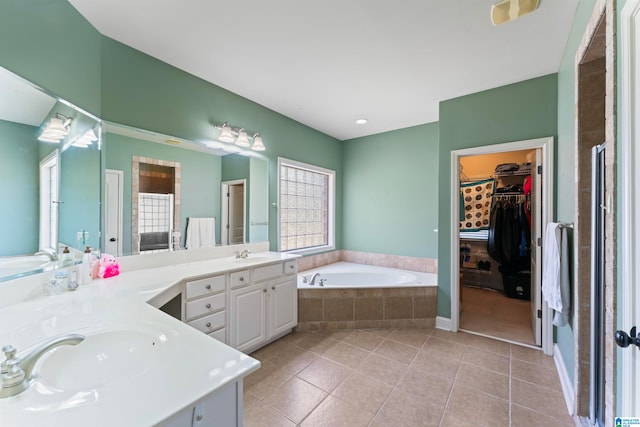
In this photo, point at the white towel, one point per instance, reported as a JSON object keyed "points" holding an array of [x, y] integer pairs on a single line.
{"points": [[201, 233], [555, 272]]}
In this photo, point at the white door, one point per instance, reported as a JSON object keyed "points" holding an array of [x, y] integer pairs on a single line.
{"points": [[248, 325], [49, 201], [536, 252], [236, 213], [629, 295], [113, 212], [284, 305]]}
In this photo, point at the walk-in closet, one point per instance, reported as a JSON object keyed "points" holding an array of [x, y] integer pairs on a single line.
{"points": [[499, 210]]}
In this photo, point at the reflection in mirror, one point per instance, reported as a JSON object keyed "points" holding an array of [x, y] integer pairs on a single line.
{"points": [[164, 193], [49, 178]]}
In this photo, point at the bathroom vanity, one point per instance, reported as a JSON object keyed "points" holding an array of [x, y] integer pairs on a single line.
{"points": [[140, 365]]}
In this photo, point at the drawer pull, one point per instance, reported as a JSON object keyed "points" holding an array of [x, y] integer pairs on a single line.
{"points": [[264, 290], [208, 325], [291, 267], [241, 278], [208, 287], [273, 288], [208, 306]]}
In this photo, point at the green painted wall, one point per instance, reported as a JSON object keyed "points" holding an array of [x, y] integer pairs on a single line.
{"points": [[50, 44], [19, 185], [565, 151], [516, 112], [200, 179], [390, 185], [143, 92]]}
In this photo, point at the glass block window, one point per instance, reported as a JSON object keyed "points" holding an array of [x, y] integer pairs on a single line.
{"points": [[306, 200]]}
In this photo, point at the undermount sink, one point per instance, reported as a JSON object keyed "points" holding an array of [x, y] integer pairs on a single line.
{"points": [[105, 358]]}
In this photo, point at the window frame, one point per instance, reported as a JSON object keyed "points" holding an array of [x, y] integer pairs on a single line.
{"points": [[331, 203]]}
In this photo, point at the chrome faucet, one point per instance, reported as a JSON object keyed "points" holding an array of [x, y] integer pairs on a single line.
{"points": [[313, 279], [53, 256], [16, 373], [243, 254]]}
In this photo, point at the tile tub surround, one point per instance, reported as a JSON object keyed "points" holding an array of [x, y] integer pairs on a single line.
{"points": [[423, 265], [408, 377], [333, 309]]}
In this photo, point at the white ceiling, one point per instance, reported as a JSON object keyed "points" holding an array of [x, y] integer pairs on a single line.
{"points": [[327, 63]]}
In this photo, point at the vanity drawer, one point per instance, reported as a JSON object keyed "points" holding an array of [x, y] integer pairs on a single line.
{"points": [[267, 272], [239, 278], [220, 335], [205, 305], [201, 287], [209, 323], [291, 267]]}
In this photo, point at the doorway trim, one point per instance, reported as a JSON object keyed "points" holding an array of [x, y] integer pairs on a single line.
{"points": [[547, 146], [630, 183], [119, 212], [224, 210]]}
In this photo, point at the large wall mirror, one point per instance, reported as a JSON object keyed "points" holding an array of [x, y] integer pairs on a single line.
{"points": [[164, 193], [49, 178]]}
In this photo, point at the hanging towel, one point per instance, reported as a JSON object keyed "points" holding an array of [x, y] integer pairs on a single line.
{"points": [[555, 274], [201, 233]]}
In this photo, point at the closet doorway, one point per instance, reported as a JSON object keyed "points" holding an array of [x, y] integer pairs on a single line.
{"points": [[502, 203]]}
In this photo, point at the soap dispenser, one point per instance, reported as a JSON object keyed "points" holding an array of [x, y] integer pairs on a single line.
{"points": [[66, 259], [85, 268]]}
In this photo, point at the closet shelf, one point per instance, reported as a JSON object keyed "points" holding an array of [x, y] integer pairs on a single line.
{"points": [[512, 173]]}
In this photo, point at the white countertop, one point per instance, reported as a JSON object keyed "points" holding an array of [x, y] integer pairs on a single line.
{"points": [[188, 364]]}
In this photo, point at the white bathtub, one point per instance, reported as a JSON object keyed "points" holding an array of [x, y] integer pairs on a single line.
{"points": [[350, 275]]}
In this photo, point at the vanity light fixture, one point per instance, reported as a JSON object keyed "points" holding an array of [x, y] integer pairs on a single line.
{"points": [[56, 129], [86, 139], [240, 137]]}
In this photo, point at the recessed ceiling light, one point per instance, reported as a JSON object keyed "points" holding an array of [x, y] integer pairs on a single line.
{"points": [[361, 121]]}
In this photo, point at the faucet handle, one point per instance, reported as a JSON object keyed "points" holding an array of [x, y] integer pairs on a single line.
{"points": [[10, 372]]}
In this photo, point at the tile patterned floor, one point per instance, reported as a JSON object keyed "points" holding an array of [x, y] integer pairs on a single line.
{"points": [[402, 377]]}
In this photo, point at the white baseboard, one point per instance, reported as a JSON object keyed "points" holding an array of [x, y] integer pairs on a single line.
{"points": [[443, 323], [565, 382]]}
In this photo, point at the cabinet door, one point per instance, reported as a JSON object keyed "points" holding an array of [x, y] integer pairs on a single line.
{"points": [[284, 305], [248, 315]]}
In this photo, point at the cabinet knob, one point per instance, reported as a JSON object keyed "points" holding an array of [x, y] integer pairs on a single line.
{"points": [[264, 290], [208, 287], [208, 325], [291, 267], [273, 288], [241, 278], [208, 306]]}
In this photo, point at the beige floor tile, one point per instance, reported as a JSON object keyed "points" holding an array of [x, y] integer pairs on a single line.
{"points": [[382, 369], [361, 391], [487, 360], [249, 400], [261, 382], [262, 415], [449, 336], [397, 351], [412, 337], [276, 348], [451, 348], [532, 356], [423, 387], [295, 359], [535, 374], [345, 354], [483, 343], [380, 332], [398, 411], [366, 340], [338, 335], [524, 417], [451, 418], [316, 342], [324, 374], [332, 412], [484, 380], [467, 403], [538, 398], [436, 363], [295, 399]]}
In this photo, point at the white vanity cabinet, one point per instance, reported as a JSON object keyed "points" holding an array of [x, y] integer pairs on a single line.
{"points": [[205, 302], [222, 408], [265, 308]]}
